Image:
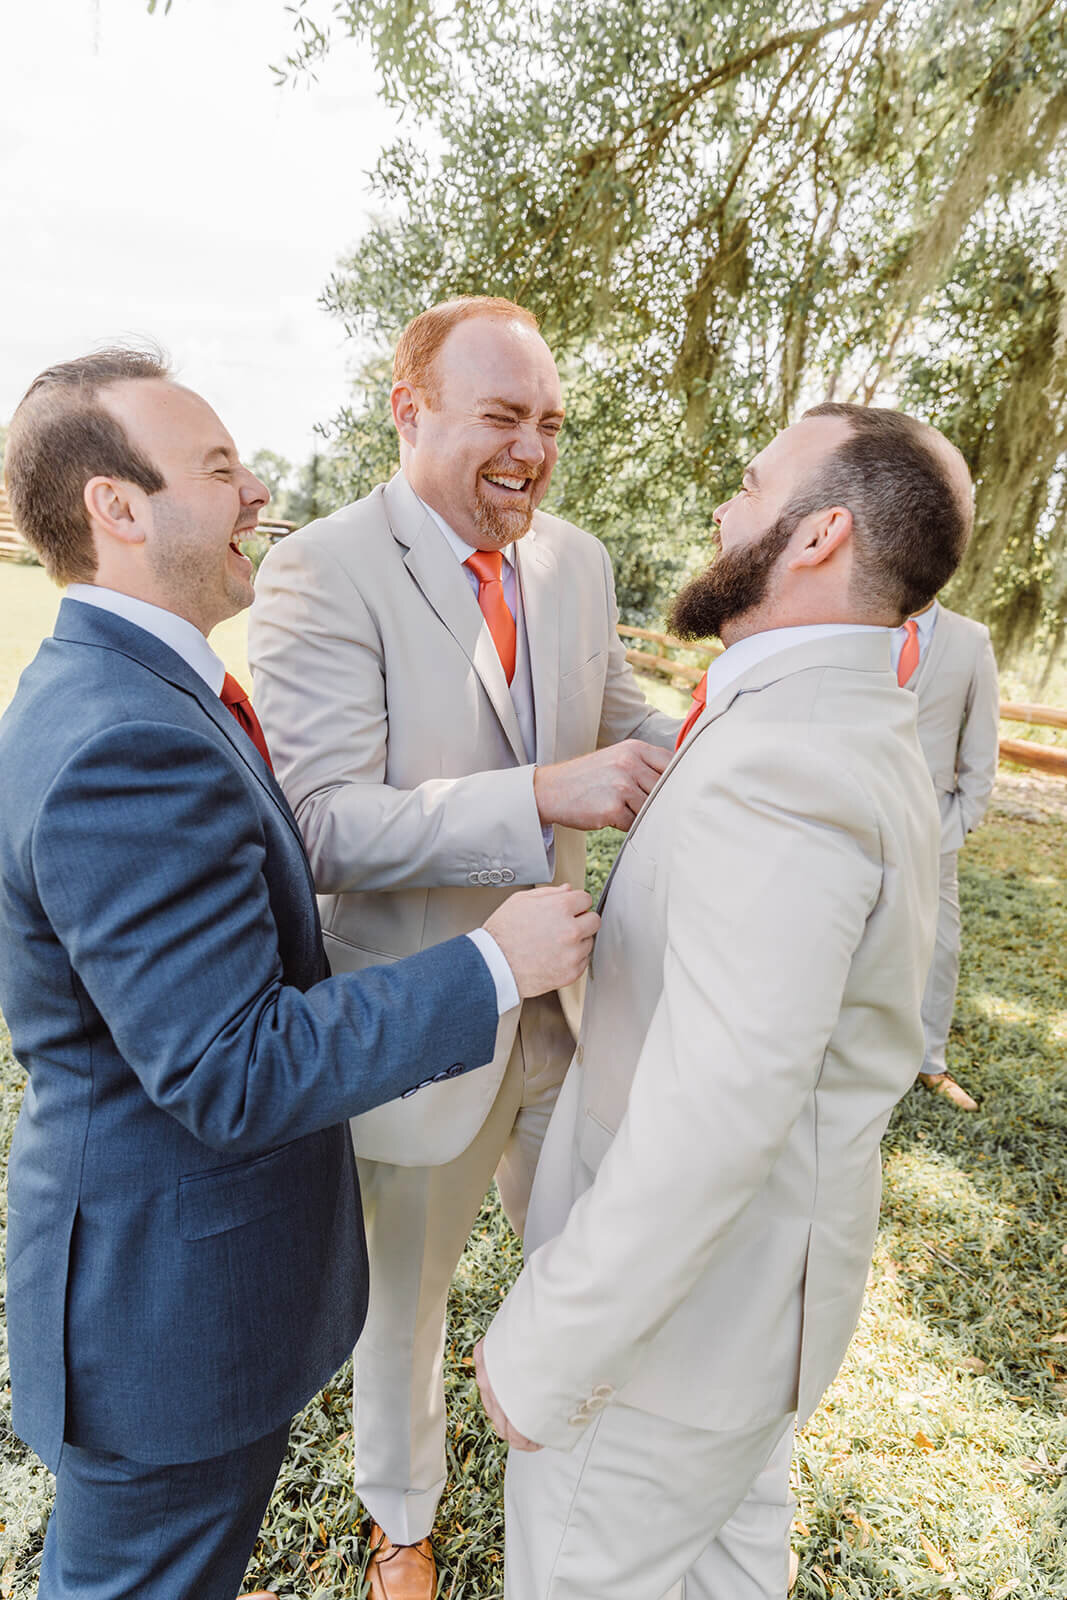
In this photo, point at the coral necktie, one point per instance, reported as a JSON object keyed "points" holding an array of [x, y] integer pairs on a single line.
{"points": [[236, 700], [909, 654], [488, 565], [700, 696]]}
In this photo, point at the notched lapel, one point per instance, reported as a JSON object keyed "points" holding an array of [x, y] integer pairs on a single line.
{"points": [[437, 573], [92, 625], [538, 575], [718, 704]]}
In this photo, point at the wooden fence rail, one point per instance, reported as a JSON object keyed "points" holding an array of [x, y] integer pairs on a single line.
{"points": [[1023, 752]]}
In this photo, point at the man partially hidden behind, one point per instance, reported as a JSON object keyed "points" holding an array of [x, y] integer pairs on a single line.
{"points": [[704, 1209], [185, 1250], [449, 707], [947, 662]]}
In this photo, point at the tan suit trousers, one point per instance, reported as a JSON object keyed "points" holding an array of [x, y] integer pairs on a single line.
{"points": [[939, 996], [417, 1221], [644, 1508]]}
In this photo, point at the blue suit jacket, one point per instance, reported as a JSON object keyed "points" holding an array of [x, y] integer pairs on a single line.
{"points": [[185, 1250]]}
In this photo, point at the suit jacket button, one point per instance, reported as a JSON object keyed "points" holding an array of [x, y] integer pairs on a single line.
{"points": [[484, 878], [454, 1070], [507, 876], [496, 876], [579, 1054], [578, 1418], [473, 877]]}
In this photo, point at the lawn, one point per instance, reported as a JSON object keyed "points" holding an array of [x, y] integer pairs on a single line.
{"points": [[937, 1464]]}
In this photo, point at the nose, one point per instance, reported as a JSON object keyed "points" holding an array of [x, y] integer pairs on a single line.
{"points": [[253, 491], [529, 447], [720, 511]]}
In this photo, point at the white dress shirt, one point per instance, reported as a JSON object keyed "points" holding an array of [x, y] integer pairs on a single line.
{"points": [[187, 641], [184, 638], [925, 623], [737, 658]]}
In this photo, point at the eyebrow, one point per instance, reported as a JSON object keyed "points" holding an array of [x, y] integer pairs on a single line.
{"points": [[513, 405]]}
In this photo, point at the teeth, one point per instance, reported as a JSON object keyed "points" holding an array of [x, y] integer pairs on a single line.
{"points": [[507, 483]]}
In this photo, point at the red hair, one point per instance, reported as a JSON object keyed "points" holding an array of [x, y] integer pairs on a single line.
{"points": [[418, 346]]}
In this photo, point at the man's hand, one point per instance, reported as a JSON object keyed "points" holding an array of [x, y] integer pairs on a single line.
{"points": [[606, 789], [546, 936], [493, 1408]]}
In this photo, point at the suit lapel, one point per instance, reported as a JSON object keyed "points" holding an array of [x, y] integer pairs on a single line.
{"points": [[538, 576], [437, 573], [712, 711], [89, 624], [930, 661], [858, 651]]}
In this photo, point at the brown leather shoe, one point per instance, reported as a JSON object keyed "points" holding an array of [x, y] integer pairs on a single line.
{"points": [[944, 1083], [400, 1571]]}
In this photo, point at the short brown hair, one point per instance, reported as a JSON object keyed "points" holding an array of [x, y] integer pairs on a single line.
{"points": [[910, 523], [419, 344], [60, 437]]}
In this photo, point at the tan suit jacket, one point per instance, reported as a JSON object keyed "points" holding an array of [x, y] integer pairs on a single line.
{"points": [[956, 687], [752, 1017], [395, 738]]}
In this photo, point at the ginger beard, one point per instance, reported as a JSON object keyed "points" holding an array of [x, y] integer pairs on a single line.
{"points": [[499, 523], [736, 581]]}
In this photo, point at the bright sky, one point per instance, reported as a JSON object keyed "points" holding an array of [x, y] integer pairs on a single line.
{"points": [[154, 182]]}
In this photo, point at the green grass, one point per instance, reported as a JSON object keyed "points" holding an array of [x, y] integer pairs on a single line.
{"points": [[936, 1463]]}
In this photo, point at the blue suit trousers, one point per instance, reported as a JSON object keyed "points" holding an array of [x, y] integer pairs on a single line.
{"points": [[124, 1530]]}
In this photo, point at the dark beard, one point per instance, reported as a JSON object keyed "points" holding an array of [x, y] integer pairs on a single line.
{"points": [[736, 582]]}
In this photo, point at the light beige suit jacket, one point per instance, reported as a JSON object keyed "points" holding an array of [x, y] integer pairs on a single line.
{"points": [[956, 687], [394, 736], [707, 1196]]}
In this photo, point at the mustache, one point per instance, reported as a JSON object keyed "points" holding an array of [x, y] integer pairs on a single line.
{"points": [[507, 468]]}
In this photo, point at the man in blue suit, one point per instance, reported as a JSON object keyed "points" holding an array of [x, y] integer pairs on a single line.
{"points": [[184, 1211]]}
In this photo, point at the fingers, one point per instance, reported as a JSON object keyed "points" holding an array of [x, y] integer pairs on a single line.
{"points": [[493, 1409], [654, 756]]}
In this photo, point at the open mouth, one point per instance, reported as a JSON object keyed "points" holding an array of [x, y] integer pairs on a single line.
{"points": [[508, 482], [235, 544]]}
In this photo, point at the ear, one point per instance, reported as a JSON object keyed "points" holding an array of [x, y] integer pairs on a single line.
{"points": [[112, 510], [827, 532], [406, 406]]}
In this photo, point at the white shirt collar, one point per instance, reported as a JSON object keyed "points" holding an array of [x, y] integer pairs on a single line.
{"points": [[183, 637], [459, 547], [759, 646], [925, 622]]}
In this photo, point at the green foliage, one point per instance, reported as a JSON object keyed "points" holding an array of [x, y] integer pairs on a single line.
{"points": [[300, 494], [724, 212]]}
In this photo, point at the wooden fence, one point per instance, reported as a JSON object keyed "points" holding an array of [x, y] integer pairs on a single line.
{"points": [[1023, 752]]}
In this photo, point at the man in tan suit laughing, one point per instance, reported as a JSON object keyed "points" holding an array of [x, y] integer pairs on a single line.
{"points": [[448, 707], [706, 1201]]}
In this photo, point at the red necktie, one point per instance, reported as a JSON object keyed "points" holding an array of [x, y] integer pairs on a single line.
{"points": [[487, 565], [700, 695], [236, 700], [909, 654]]}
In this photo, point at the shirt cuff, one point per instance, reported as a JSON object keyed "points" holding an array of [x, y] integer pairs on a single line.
{"points": [[507, 993]]}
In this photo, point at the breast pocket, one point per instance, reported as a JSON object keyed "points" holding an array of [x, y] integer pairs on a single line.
{"points": [[589, 674]]}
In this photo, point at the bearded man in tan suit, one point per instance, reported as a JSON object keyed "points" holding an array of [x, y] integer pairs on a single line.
{"points": [[448, 707], [706, 1201]]}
